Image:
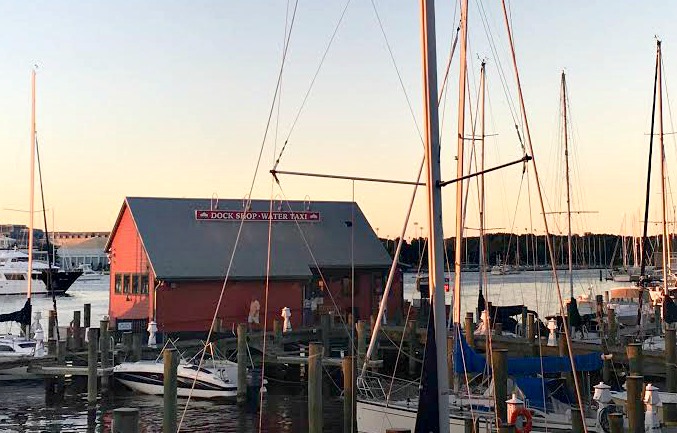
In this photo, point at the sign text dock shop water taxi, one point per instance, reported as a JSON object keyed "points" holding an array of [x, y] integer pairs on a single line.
{"points": [[238, 215]]}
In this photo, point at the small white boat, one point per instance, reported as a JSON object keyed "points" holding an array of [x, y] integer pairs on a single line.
{"points": [[88, 274], [147, 377]]}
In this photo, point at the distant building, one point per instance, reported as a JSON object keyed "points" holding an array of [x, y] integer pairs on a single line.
{"points": [[87, 251], [168, 260]]}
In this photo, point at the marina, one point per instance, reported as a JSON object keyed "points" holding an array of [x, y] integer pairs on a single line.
{"points": [[445, 217]]}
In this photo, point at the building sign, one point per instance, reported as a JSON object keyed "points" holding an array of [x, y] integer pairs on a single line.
{"points": [[238, 215]]}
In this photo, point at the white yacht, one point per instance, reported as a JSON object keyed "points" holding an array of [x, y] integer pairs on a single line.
{"points": [[88, 274], [14, 272], [147, 377]]}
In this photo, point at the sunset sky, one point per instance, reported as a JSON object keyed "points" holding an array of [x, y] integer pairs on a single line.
{"points": [[169, 98]]}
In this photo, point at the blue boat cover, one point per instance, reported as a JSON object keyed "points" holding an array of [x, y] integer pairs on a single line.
{"points": [[533, 390], [466, 360]]}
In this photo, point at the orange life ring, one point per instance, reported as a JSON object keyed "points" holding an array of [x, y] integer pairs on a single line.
{"points": [[521, 418]]}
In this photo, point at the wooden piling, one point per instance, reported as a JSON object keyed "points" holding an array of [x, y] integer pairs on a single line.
{"points": [[92, 363], [635, 362], [531, 334], [469, 330], [599, 304], [127, 342], [607, 368], [136, 347], [104, 346], [525, 316], [325, 327], [499, 365], [398, 430], [349, 385], [241, 363], [669, 414], [277, 331], [125, 420], [634, 408], [171, 363], [469, 426], [361, 341], [87, 316], [670, 359], [77, 333], [51, 347], [315, 419], [616, 422], [506, 428], [450, 362], [611, 321], [498, 329], [51, 325], [576, 420], [61, 351]]}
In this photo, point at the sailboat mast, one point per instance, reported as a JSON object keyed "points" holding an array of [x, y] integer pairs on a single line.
{"points": [[433, 178], [566, 162], [456, 312], [31, 210], [482, 258], [666, 240]]}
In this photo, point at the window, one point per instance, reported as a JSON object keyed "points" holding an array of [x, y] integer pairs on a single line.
{"points": [[126, 283], [4, 348], [144, 284], [135, 283], [118, 283]]}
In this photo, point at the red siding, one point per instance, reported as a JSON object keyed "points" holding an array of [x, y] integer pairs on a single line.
{"points": [[127, 255], [189, 306]]}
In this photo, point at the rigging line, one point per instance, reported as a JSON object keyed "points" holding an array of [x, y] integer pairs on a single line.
{"points": [[444, 88], [312, 82], [397, 70], [50, 258], [397, 358], [239, 232], [545, 221]]}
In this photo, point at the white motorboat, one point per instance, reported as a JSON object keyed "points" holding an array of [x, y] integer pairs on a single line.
{"points": [[625, 302], [88, 274], [147, 377]]}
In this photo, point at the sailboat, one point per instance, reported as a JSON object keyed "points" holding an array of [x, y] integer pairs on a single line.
{"points": [[436, 409], [24, 345]]}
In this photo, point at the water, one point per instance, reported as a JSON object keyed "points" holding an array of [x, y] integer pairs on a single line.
{"points": [[86, 292], [24, 408]]}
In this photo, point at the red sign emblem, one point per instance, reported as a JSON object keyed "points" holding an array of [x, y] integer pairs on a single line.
{"points": [[238, 215]]}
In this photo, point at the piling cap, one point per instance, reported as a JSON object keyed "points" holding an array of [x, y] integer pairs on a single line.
{"points": [[651, 395], [552, 325], [602, 394], [514, 400]]}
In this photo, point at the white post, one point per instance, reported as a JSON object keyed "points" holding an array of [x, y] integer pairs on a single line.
{"points": [[152, 333], [651, 400], [552, 337]]}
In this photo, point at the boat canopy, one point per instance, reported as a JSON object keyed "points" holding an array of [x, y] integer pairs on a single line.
{"points": [[466, 360], [624, 293]]}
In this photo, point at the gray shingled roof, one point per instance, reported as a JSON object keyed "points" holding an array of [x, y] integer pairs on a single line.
{"points": [[181, 247]]}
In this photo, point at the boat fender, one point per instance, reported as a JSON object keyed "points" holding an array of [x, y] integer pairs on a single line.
{"points": [[603, 417], [521, 418]]}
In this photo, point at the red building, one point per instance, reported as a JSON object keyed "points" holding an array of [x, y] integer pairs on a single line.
{"points": [[169, 259]]}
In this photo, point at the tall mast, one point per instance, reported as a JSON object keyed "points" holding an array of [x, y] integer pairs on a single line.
{"points": [[666, 239], [482, 258], [31, 210], [566, 162], [459, 163], [433, 178]]}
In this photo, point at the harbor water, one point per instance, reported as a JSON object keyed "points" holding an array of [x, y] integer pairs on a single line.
{"points": [[25, 408]]}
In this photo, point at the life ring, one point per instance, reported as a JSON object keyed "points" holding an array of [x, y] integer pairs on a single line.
{"points": [[521, 418]]}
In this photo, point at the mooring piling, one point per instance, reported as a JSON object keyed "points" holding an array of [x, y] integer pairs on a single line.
{"points": [[136, 347], [349, 385], [499, 365], [634, 406], [315, 421], [125, 420], [92, 363], [576, 420], [635, 363], [77, 333], [616, 422], [87, 316], [469, 330], [104, 346], [241, 363], [171, 363]]}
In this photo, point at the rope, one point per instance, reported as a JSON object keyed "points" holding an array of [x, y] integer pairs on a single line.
{"points": [[239, 232]]}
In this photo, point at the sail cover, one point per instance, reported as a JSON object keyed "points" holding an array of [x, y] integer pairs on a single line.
{"points": [[427, 416], [466, 360], [22, 316]]}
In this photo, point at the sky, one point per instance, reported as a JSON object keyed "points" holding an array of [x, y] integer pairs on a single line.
{"points": [[170, 98]]}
